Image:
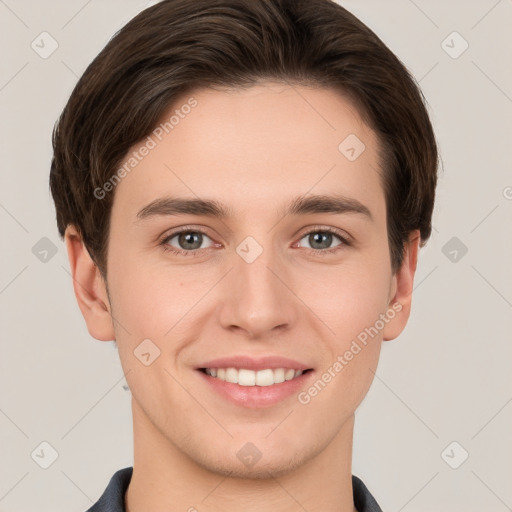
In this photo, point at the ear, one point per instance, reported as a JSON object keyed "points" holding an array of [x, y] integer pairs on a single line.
{"points": [[90, 288], [401, 288]]}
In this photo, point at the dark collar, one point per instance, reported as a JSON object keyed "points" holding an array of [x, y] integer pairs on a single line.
{"points": [[112, 499]]}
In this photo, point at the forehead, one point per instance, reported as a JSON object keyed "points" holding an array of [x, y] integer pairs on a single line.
{"points": [[253, 147]]}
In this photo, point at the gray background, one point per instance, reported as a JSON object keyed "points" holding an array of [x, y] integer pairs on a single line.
{"points": [[445, 380]]}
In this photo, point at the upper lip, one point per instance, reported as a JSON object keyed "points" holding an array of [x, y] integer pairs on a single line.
{"points": [[255, 363]]}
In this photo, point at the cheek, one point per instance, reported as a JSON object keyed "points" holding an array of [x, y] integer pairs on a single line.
{"points": [[149, 298], [350, 305], [348, 298]]}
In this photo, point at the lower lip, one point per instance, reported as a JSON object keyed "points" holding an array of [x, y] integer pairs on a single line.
{"points": [[256, 396]]}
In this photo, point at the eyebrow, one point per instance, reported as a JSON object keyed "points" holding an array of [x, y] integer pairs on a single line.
{"points": [[302, 205]]}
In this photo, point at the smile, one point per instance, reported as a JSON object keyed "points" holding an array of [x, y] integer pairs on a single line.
{"points": [[245, 377]]}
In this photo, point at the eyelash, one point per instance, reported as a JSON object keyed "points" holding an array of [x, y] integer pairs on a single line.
{"points": [[196, 252]]}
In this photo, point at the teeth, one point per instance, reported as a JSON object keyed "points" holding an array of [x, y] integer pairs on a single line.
{"points": [[245, 377], [232, 375]]}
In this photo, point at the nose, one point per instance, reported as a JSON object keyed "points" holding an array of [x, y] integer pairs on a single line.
{"points": [[258, 297]]}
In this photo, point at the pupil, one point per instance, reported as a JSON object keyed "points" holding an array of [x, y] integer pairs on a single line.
{"points": [[319, 237], [190, 240]]}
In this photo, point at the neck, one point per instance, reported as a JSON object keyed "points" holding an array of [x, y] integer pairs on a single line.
{"points": [[165, 478]]}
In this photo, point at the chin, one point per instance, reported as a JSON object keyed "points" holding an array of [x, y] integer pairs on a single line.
{"points": [[273, 465]]}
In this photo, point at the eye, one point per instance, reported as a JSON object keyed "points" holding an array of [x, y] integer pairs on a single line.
{"points": [[186, 242], [190, 242], [321, 240]]}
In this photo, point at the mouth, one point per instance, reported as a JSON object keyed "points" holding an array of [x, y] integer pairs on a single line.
{"points": [[255, 389], [254, 381], [251, 378]]}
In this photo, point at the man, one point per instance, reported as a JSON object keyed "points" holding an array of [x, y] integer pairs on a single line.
{"points": [[243, 187]]}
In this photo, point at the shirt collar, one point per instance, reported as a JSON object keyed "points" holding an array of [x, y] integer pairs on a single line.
{"points": [[112, 499]]}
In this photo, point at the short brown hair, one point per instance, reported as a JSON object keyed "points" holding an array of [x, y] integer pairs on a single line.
{"points": [[177, 46]]}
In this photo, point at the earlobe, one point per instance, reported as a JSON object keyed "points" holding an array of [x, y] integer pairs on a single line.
{"points": [[89, 287], [403, 281]]}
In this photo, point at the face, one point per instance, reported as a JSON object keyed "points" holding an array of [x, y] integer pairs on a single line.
{"points": [[296, 268]]}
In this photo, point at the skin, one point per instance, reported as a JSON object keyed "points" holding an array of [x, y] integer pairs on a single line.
{"points": [[252, 150]]}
